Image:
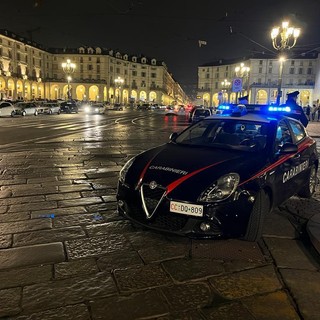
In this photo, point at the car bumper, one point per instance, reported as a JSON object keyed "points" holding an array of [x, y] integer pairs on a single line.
{"points": [[224, 220]]}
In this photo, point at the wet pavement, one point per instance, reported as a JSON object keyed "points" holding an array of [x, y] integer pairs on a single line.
{"points": [[66, 254]]}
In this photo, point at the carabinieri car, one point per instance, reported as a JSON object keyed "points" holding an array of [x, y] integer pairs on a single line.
{"points": [[220, 177]]}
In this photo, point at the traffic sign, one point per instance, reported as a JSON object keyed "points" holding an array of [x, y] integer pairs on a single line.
{"points": [[237, 85]]}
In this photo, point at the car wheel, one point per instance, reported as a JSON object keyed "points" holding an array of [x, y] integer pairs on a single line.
{"points": [[13, 114], [23, 113], [310, 187], [59, 112], [36, 113], [50, 111], [261, 208]]}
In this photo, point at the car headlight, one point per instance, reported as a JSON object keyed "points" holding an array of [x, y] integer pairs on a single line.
{"points": [[87, 109], [222, 189], [124, 170], [96, 109]]}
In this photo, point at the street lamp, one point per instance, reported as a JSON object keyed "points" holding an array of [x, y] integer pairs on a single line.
{"points": [[242, 71], [283, 39], [68, 68], [119, 81], [225, 85]]}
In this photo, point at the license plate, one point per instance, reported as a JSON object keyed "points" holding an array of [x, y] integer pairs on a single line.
{"points": [[186, 208]]}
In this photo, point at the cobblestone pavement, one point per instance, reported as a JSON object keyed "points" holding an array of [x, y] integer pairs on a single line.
{"points": [[66, 254]]}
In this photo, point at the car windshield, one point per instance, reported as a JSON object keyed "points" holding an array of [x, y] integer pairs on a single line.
{"points": [[222, 133]]}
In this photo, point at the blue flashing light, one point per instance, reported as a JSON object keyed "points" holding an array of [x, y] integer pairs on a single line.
{"points": [[279, 109], [224, 107]]}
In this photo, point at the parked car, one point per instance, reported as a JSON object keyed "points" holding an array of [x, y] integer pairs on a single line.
{"points": [[95, 108], [220, 177], [6, 109], [198, 114], [68, 107], [26, 108], [49, 108]]}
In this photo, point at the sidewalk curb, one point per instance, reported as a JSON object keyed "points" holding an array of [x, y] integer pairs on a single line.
{"points": [[313, 229]]}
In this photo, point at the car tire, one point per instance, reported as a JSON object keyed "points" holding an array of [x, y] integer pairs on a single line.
{"points": [[310, 187], [23, 113], [36, 113], [59, 112], [13, 114], [261, 208], [50, 111]]}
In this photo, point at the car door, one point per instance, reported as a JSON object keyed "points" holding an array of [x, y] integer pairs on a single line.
{"points": [[289, 166], [299, 135]]}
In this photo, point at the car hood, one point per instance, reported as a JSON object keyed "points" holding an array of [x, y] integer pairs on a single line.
{"points": [[185, 170]]}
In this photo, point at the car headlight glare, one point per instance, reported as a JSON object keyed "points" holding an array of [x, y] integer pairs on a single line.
{"points": [[124, 170], [222, 189], [87, 109]]}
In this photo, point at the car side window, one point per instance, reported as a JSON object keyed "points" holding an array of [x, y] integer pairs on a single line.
{"points": [[283, 134], [298, 130]]}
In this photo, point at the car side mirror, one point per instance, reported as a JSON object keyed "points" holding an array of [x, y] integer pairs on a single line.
{"points": [[288, 148], [173, 136]]}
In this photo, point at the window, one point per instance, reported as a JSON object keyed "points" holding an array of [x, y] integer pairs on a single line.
{"points": [[283, 134], [260, 62], [143, 74], [309, 71], [208, 76], [270, 70], [300, 70], [298, 130], [153, 75], [291, 71], [292, 62], [260, 69], [134, 73]]}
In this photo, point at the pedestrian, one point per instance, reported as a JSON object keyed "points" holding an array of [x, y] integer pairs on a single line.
{"points": [[298, 112], [308, 112], [313, 112], [318, 113]]}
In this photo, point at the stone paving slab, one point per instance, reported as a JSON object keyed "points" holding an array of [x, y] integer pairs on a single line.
{"points": [[306, 296], [32, 255]]}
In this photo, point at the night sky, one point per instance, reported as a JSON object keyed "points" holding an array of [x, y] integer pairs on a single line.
{"points": [[167, 30]]}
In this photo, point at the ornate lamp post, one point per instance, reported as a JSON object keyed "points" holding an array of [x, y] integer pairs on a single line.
{"points": [[283, 38], [242, 71], [119, 81], [68, 68], [225, 86]]}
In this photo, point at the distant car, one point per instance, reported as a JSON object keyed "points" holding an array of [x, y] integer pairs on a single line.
{"points": [[199, 113], [117, 106], [144, 106], [49, 108], [69, 107], [220, 177], [95, 108], [171, 111], [6, 109], [26, 108]]}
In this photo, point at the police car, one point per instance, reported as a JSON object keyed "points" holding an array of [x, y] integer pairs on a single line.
{"points": [[221, 176]]}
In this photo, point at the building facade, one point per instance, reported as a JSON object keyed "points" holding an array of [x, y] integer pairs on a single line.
{"points": [[28, 71], [261, 79]]}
